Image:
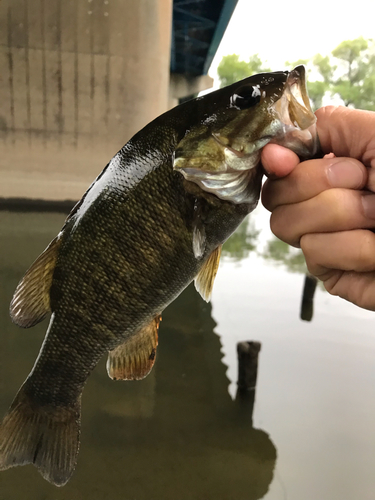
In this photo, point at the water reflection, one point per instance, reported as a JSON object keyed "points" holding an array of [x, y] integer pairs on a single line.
{"points": [[277, 252], [280, 252], [315, 390], [177, 434], [242, 242], [246, 239]]}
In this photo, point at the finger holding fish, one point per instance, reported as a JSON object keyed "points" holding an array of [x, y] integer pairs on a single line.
{"points": [[309, 178], [347, 133], [320, 195], [344, 262], [331, 210], [327, 206]]}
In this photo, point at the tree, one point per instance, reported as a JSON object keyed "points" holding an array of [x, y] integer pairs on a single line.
{"points": [[348, 72], [318, 88], [355, 86], [231, 69]]}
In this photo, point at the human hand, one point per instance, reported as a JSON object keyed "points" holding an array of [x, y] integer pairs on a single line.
{"points": [[327, 206]]}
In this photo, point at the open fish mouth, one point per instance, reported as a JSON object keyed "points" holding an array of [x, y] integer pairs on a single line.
{"points": [[300, 112], [297, 120]]}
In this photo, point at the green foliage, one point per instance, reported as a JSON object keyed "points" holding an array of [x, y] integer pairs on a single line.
{"points": [[231, 69], [296, 63], [350, 50], [356, 84], [242, 242], [281, 253], [324, 66], [245, 240], [316, 93], [348, 72]]}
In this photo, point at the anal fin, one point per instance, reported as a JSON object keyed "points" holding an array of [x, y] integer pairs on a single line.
{"points": [[204, 280], [134, 359], [31, 300]]}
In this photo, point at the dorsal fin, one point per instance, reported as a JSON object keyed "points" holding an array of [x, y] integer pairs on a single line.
{"points": [[31, 300], [134, 359], [204, 280]]}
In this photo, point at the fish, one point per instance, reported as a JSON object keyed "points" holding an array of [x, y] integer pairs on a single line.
{"points": [[152, 222]]}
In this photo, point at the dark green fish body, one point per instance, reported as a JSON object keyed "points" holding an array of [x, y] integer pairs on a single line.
{"points": [[124, 256], [152, 222]]}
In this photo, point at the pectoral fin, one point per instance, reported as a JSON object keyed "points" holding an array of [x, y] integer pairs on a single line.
{"points": [[204, 281], [134, 359], [31, 300], [199, 240]]}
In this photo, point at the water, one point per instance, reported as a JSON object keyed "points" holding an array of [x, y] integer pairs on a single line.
{"points": [[180, 433]]}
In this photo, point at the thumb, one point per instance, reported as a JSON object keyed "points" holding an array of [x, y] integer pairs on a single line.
{"points": [[347, 132], [278, 161]]}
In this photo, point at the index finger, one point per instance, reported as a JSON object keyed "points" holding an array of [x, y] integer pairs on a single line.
{"points": [[310, 178]]}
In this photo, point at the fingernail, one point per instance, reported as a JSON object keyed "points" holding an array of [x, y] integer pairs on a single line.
{"points": [[368, 202], [345, 174]]}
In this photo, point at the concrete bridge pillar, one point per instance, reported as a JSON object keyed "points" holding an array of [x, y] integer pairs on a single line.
{"points": [[78, 79]]}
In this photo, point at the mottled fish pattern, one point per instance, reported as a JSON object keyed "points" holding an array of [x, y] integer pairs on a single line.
{"points": [[151, 223]]}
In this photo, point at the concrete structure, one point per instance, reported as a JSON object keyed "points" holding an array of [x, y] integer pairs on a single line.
{"points": [[77, 79]]}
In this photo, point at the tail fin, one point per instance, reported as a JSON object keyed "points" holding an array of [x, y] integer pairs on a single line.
{"points": [[45, 436]]}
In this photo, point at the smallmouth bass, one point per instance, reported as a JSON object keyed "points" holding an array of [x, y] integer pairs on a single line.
{"points": [[153, 221]]}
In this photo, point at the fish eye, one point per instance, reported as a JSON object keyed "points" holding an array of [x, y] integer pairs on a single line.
{"points": [[246, 97]]}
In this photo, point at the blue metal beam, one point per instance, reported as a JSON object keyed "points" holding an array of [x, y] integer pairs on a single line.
{"points": [[198, 27], [226, 14]]}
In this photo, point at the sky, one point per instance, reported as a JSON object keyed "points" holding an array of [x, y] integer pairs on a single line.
{"points": [[291, 30]]}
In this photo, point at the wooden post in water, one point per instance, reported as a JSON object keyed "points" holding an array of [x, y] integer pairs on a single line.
{"points": [[247, 353], [307, 304]]}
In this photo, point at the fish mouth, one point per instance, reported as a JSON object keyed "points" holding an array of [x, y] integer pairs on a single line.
{"points": [[297, 120], [300, 112]]}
